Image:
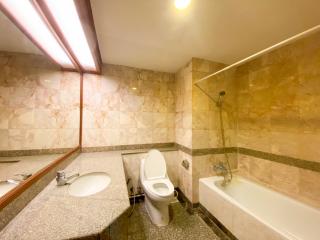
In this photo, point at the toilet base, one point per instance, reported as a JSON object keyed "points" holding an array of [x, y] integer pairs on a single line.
{"points": [[158, 212]]}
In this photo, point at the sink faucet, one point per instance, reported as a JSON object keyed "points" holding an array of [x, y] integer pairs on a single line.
{"points": [[62, 179], [221, 170], [23, 176]]}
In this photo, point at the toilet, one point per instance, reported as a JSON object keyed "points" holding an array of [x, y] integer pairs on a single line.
{"points": [[158, 189]]}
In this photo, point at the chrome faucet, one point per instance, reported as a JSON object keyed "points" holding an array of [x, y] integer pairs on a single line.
{"points": [[62, 179], [23, 176], [221, 170]]}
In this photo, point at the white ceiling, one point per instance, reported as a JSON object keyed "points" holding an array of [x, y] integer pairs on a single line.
{"points": [[152, 34], [12, 39]]}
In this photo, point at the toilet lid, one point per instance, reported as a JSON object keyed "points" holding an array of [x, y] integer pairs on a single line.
{"points": [[155, 165]]}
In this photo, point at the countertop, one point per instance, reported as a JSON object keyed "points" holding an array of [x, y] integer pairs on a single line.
{"points": [[26, 164], [54, 214]]}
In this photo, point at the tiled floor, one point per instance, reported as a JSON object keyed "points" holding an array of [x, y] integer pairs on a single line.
{"points": [[182, 227]]}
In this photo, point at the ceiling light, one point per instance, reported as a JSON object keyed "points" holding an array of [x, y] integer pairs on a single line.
{"points": [[182, 4], [65, 15], [24, 14]]}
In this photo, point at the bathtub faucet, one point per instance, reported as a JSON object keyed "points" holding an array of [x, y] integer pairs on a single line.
{"points": [[221, 170]]}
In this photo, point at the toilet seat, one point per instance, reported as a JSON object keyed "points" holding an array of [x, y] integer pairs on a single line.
{"points": [[159, 187]]}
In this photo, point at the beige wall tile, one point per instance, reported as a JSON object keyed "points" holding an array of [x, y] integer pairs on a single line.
{"points": [[39, 103], [136, 103]]}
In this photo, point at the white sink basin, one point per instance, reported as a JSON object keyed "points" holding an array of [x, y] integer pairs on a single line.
{"points": [[89, 184], [6, 187]]}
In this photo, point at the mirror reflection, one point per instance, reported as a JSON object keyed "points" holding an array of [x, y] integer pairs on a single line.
{"points": [[39, 108]]}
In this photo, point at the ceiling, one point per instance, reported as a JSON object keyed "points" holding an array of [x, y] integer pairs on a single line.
{"points": [[152, 34], [13, 40]]}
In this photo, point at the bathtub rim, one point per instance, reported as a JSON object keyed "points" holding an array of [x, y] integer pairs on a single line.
{"points": [[231, 200]]}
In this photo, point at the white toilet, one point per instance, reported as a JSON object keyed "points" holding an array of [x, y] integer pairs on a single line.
{"points": [[158, 189]]}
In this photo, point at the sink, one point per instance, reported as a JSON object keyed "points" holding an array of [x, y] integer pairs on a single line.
{"points": [[89, 184], [6, 186]]}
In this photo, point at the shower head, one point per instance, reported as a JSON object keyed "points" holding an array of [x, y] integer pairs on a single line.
{"points": [[222, 93]]}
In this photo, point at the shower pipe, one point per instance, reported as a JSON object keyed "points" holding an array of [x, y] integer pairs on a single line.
{"points": [[219, 105]]}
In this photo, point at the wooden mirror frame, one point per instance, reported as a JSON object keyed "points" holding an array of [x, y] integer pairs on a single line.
{"points": [[85, 11]]}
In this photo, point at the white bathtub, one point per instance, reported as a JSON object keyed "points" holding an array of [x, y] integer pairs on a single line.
{"points": [[251, 211]]}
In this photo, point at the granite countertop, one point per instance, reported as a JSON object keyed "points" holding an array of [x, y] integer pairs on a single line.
{"points": [[26, 164], [54, 214]]}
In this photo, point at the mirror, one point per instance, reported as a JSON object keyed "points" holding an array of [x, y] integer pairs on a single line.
{"points": [[39, 108]]}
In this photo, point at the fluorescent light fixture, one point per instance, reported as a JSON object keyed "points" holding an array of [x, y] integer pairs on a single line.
{"points": [[182, 4], [66, 17], [27, 17]]}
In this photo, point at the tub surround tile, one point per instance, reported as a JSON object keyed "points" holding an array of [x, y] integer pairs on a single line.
{"points": [[295, 182], [287, 160], [300, 163], [278, 112], [281, 173], [74, 217], [270, 112]]}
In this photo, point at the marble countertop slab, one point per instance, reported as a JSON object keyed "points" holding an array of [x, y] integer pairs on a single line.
{"points": [[54, 214]]}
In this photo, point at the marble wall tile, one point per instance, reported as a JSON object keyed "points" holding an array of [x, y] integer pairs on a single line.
{"points": [[137, 104], [38, 101], [22, 118], [4, 139], [293, 181], [159, 135], [185, 182], [278, 113], [183, 99], [203, 167], [309, 188], [282, 89]]}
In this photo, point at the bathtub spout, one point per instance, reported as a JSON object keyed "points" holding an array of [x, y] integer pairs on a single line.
{"points": [[221, 170]]}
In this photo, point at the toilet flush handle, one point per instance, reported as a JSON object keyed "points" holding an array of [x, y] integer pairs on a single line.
{"points": [[185, 164]]}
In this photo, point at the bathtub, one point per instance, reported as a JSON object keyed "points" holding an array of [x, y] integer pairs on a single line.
{"points": [[251, 211]]}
